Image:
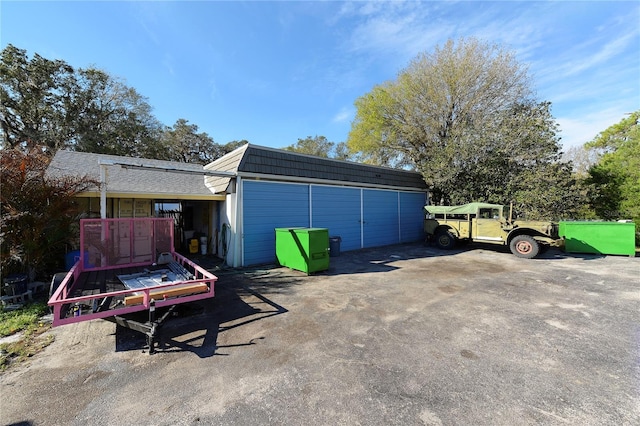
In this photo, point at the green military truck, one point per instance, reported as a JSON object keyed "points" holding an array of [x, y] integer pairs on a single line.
{"points": [[486, 223]]}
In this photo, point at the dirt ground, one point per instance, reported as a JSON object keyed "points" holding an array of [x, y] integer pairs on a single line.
{"points": [[402, 335]]}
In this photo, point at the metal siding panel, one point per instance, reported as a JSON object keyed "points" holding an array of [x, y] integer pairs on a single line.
{"points": [[270, 205], [338, 209], [411, 216], [380, 218]]}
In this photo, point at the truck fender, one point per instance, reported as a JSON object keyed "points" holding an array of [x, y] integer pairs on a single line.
{"points": [[442, 228], [537, 235]]}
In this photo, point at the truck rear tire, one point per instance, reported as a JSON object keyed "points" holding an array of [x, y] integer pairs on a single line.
{"points": [[445, 240], [524, 246]]}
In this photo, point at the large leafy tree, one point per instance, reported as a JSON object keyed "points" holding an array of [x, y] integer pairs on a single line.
{"points": [[37, 213], [465, 117], [110, 117], [615, 178], [48, 102], [32, 94], [183, 143], [320, 146]]}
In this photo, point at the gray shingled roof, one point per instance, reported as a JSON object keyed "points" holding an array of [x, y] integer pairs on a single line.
{"points": [[252, 160], [182, 180], [226, 163], [151, 182]]}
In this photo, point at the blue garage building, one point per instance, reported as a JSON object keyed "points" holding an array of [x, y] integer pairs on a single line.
{"points": [[367, 206]]}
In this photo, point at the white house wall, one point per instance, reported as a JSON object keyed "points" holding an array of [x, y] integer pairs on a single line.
{"points": [[226, 225]]}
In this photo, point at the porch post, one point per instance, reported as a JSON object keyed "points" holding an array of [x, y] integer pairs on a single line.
{"points": [[103, 191]]}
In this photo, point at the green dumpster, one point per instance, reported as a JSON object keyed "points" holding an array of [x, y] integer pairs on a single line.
{"points": [[303, 249], [599, 237]]}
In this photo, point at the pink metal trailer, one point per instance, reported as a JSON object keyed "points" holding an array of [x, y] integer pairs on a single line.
{"points": [[127, 266]]}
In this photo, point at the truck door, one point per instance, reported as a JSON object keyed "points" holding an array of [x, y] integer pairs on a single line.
{"points": [[487, 225]]}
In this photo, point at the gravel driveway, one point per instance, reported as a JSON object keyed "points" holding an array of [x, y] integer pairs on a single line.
{"points": [[403, 335]]}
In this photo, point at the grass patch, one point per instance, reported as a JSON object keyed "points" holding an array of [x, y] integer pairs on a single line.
{"points": [[30, 344], [25, 320], [21, 319]]}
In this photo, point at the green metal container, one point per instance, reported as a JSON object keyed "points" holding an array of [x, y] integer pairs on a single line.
{"points": [[599, 237], [303, 249]]}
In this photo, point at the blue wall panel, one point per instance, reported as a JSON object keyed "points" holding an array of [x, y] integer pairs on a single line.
{"points": [[270, 205], [338, 209], [411, 216], [390, 217], [380, 217]]}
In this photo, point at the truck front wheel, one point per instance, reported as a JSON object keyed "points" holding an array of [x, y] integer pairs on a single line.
{"points": [[524, 246], [445, 240]]}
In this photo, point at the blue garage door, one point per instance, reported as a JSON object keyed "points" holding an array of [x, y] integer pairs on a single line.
{"points": [[411, 216], [269, 205], [361, 217], [337, 209], [380, 217]]}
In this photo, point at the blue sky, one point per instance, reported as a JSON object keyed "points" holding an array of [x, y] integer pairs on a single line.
{"points": [[274, 72]]}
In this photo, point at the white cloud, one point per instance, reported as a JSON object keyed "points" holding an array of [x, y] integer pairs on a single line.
{"points": [[391, 34], [576, 131], [395, 29], [344, 115], [214, 92], [598, 57], [168, 62]]}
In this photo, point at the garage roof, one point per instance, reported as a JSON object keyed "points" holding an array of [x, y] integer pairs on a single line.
{"points": [[255, 161]]}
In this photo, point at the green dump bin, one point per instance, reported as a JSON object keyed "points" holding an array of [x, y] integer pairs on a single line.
{"points": [[599, 237], [303, 249]]}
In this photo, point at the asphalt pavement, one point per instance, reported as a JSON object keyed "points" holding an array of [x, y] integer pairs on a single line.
{"points": [[401, 335]]}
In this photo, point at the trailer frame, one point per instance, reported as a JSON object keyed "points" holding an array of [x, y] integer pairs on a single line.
{"points": [[110, 247]]}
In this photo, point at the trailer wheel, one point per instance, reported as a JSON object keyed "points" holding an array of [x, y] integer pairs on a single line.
{"points": [[445, 240], [55, 283], [524, 246]]}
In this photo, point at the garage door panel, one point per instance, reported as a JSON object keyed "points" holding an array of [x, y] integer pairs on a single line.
{"points": [[338, 209], [380, 218], [411, 216], [266, 206]]}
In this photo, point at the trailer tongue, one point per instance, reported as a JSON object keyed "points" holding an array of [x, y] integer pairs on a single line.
{"points": [[127, 266]]}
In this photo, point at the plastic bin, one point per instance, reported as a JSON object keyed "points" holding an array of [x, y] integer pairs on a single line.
{"points": [[303, 249], [72, 257], [334, 246], [193, 246]]}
